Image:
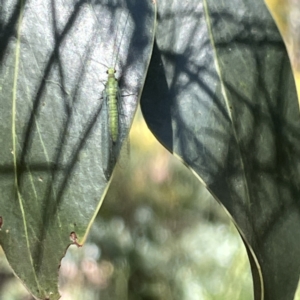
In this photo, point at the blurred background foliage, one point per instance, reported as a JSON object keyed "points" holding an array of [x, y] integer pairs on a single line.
{"points": [[159, 235]]}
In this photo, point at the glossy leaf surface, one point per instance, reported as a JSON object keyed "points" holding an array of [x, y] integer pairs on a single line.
{"points": [[56, 153]]}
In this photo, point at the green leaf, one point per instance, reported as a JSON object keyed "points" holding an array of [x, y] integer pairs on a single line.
{"points": [[221, 96], [56, 153]]}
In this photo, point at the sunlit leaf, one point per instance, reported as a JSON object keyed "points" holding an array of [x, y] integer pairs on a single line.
{"points": [[55, 160], [286, 14]]}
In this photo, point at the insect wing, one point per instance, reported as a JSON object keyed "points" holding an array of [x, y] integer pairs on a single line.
{"points": [[124, 126]]}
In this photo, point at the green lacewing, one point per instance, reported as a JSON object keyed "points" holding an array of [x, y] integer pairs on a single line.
{"points": [[113, 99]]}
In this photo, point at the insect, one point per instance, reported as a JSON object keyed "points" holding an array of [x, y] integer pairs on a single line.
{"points": [[111, 95], [111, 98], [117, 123]]}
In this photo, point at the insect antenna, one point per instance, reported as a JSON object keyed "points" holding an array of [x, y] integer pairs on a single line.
{"points": [[118, 48]]}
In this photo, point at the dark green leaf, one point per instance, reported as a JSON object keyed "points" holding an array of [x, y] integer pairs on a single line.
{"points": [[220, 94]]}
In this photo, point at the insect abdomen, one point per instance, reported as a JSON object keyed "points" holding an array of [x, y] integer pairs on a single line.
{"points": [[112, 93]]}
